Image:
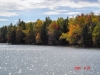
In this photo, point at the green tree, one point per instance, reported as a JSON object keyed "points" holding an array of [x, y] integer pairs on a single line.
{"points": [[3, 34], [53, 33], [29, 33], [20, 35], [87, 36], [64, 29], [96, 35], [38, 27], [65, 26], [44, 30], [9, 30]]}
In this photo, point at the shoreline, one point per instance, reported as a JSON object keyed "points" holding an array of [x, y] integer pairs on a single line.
{"points": [[73, 46]]}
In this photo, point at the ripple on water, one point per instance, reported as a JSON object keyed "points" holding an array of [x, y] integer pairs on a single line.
{"points": [[10, 73], [38, 60]]}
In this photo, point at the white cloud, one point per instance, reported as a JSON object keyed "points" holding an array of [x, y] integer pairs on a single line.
{"points": [[52, 4], [30, 21], [20, 4], [4, 20], [8, 14], [13, 5], [73, 4], [51, 13], [73, 13], [34, 1], [56, 12]]}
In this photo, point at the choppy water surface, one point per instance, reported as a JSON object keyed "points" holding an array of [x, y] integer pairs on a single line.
{"points": [[48, 60]]}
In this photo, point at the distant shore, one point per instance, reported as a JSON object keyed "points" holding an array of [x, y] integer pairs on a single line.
{"points": [[74, 46]]}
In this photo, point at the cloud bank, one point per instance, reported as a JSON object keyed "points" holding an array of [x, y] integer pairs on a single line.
{"points": [[31, 10], [19, 5]]}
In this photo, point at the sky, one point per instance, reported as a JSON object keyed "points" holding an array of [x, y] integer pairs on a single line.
{"points": [[31, 10]]}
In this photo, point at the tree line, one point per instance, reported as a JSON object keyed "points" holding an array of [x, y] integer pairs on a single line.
{"points": [[82, 30]]}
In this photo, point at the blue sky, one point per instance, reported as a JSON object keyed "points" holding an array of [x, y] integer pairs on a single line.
{"points": [[31, 10]]}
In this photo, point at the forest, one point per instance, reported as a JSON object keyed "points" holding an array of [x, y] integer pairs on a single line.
{"points": [[81, 30]]}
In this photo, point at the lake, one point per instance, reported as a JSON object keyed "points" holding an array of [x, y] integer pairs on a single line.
{"points": [[48, 60]]}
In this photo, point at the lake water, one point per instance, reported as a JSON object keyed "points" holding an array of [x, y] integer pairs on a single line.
{"points": [[48, 60]]}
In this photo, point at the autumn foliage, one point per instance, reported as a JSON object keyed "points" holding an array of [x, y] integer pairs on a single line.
{"points": [[82, 30]]}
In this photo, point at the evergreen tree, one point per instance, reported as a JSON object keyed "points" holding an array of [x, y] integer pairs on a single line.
{"points": [[44, 32]]}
